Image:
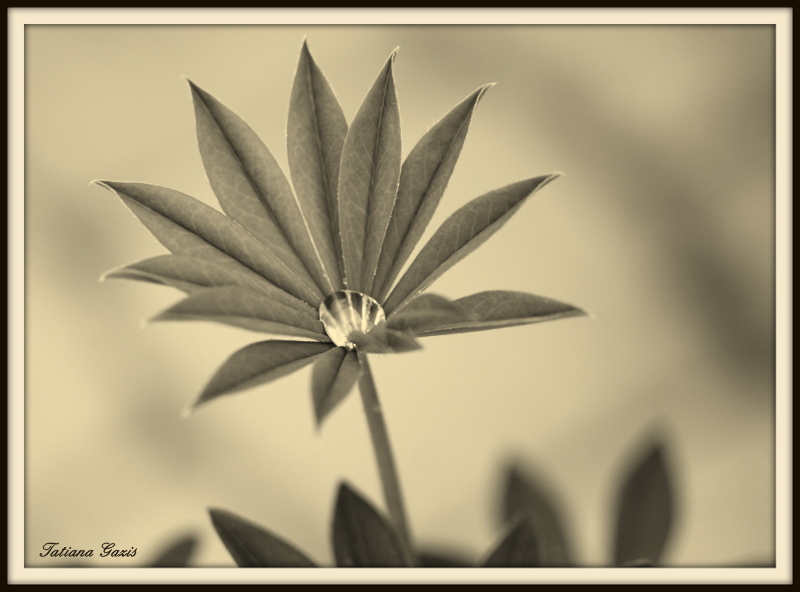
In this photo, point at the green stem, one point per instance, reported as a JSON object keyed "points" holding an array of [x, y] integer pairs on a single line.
{"points": [[383, 453]]}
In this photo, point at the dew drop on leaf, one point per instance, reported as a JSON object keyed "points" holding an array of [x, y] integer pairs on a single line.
{"points": [[346, 311]]}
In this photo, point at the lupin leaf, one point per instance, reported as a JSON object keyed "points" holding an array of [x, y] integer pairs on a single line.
{"points": [[362, 537], [251, 545], [519, 548], [463, 232], [498, 308], [315, 137], [259, 363], [247, 309], [383, 340], [526, 497], [368, 177], [423, 179], [428, 311], [187, 226], [177, 554], [639, 563], [644, 510], [252, 188], [334, 375], [191, 274], [437, 558]]}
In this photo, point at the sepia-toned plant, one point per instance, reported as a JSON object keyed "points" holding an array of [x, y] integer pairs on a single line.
{"points": [[318, 262]]}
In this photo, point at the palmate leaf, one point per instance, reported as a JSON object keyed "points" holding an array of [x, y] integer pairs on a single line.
{"points": [[259, 363], [644, 510], [247, 309], [315, 136], [191, 274], [362, 537], [423, 179], [494, 309], [463, 232], [251, 545], [252, 188], [271, 261], [519, 548], [525, 497], [188, 227], [334, 375], [368, 177]]}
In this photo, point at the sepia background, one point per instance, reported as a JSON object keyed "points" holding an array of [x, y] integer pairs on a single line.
{"points": [[663, 229]]}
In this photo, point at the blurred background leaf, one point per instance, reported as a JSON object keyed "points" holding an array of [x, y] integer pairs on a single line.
{"points": [[518, 548], [525, 496], [362, 536], [645, 509], [439, 558], [177, 553], [251, 545]]}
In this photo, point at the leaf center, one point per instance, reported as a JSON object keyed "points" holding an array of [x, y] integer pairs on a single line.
{"points": [[346, 311]]}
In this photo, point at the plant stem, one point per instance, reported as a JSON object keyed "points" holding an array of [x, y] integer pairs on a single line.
{"points": [[383, 453]]}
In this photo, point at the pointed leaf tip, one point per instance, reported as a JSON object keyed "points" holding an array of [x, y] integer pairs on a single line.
{"points": [[192, 274], [252, 189], [103, 184], [189, 227], [368, 180], [362, 537], [482, 90], [178, 553], [495, 309], [251, 545], [316, 130], [463, 232], [424, 177], [526, 496], [518, 548], [645, 509]]}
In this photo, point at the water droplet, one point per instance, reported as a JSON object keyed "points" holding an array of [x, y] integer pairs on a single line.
{"points": [[346, 311]]}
